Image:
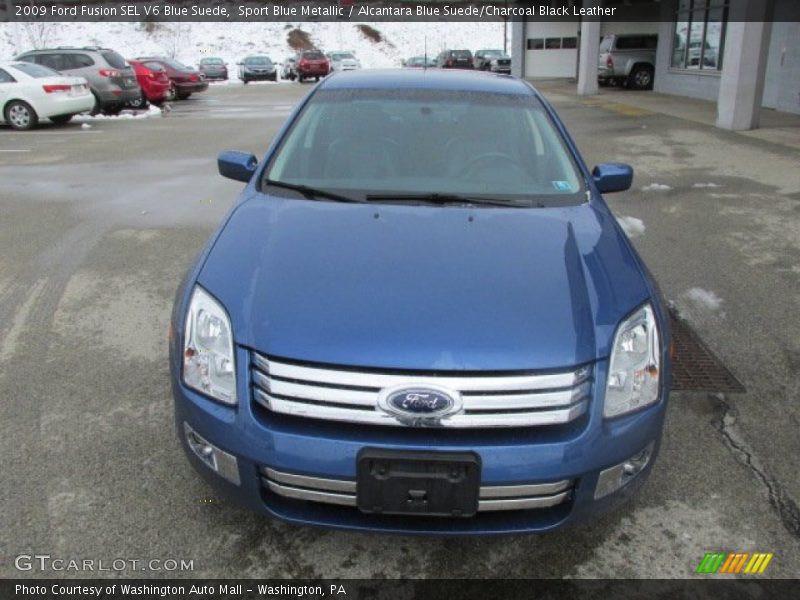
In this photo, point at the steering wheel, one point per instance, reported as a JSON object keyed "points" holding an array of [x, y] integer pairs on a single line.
{"points": [[491, 157]]}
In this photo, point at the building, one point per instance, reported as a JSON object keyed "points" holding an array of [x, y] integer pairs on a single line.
{"points": [[750, 51]]}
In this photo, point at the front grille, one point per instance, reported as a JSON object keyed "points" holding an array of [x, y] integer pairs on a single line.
{"points": [[343, 491], [489, 400], [504, 62]]}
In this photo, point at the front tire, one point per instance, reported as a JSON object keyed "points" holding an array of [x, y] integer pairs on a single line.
{"points": [[61, 119], [20, 115], [138, 103]]}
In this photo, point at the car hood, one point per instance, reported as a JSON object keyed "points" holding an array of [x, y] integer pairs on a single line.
{"points": [[420, 287]]}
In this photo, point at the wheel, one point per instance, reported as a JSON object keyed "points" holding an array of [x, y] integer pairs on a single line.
{"points": [[20, 115], [140, 102], [641, 78], [61, 119], [97, 106], [316, 78], [112, 109], [172, 93]]}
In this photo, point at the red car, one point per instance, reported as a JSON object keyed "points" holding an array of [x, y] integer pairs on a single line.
{"points": [[184, 81], [312, 63], [153, 79]]}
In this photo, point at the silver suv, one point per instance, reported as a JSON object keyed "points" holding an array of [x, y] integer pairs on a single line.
{"points": [[111, 79], [627, 59]]}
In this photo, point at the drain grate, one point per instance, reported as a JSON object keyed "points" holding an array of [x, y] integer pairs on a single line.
{"points": [[694, 366]]}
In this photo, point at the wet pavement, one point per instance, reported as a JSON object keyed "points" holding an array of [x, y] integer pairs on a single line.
{"points": [[99, 223]]}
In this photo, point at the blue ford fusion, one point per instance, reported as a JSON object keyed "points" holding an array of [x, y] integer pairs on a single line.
{"points": [[421, 316]]}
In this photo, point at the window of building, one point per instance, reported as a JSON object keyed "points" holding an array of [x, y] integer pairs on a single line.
{"points": [[552, 44], [569, 42], [699, 36], [535, 43]]}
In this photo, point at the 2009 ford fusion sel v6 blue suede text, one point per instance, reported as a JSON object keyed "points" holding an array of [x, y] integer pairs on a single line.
{"points": [[420, 316]]}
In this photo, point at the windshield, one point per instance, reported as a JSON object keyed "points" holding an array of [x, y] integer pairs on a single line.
{"points": [[313, 55], [257, 60], [492, 52], [211, 61], [341, 55], [364, 142]]}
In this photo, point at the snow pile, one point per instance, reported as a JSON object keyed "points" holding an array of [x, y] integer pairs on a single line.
{"points": [[700, 186], [152, 111], [189, 42], [656, 187], [632, 226], [704, 298]]}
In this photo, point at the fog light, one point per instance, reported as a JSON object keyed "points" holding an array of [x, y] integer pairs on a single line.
{"points": [[619, 475], [219, 461]]}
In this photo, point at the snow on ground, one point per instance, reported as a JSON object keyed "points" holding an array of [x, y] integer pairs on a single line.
{"points": [[152, 111], [700, 186], [656, 187], [704, 298], [632, 226], [189, 42]]}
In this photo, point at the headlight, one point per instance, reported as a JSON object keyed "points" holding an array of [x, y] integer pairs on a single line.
{"points": [[635, 364], [208, 364]]}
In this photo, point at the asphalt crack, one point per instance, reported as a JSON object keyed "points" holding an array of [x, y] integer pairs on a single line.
{"points": [[786, 508]]}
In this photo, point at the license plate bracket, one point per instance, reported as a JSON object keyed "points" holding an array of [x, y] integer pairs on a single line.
{"points": [[433, 484]]}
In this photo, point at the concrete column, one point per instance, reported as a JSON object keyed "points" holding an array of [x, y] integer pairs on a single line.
{"points": [[744, 64], [589, 53], [519, 34]]}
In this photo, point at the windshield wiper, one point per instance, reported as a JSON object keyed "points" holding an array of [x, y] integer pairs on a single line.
{"points": [[312, 193], [434, 198]]}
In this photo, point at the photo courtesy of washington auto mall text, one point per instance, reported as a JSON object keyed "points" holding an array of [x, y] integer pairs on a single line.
{"points": [[399, 299]]}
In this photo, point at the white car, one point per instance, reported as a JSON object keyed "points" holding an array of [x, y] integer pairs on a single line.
{"points": [[30, 92], [343, 61]]}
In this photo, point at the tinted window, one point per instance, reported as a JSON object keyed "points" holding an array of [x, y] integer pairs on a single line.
{"points": [[153, 66], [313, 55], [569, 42], [363, 142], [211, 61], [5, 77], [77, 61], [37, 71], [53, 61], [257, 60], [462, 53], [552, 43], [114, 59], [636, 42]]}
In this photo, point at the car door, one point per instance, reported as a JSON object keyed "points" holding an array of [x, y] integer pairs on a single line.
{"points": [[7, 82]]}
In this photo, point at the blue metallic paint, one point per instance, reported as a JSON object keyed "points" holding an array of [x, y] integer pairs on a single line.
{"points": [[299, 283]]}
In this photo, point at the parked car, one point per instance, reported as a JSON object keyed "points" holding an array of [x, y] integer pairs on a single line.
{"points": [[495, 61], [110, 78], [257, 68], [343, 61], [421, 306], [312, 64], [418, 62], [627, 59], [455, 59], [289, 68], [213, 68], [31, 92], [153, 80], [184, 80]]}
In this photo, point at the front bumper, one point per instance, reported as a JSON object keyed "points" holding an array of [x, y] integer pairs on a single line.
{"points": [[578, 451], [266, 76]]}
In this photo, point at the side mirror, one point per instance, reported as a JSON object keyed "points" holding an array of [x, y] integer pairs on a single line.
{"points": [[612, 177], [238, 166]]}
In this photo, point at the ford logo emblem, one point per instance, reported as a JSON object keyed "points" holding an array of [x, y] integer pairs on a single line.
{"points": [[413, 403]]}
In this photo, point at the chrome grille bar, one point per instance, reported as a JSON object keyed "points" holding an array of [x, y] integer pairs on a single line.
{"points": [[348, 395], [343, 492]]}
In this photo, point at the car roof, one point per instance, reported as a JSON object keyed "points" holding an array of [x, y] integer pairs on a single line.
{"points": [[427, 79], [69, 49]]}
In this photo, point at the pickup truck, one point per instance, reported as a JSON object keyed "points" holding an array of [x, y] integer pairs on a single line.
{"points": [[627, 60]]}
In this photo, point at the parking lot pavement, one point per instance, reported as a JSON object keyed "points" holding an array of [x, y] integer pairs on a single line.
{"points": [[98, 225]]}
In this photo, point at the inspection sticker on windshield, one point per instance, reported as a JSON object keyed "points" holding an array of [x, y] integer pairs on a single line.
{"points": [[562, 186]]}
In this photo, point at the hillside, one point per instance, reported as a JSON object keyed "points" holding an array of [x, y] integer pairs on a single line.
{"points": [[188, 42]]}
